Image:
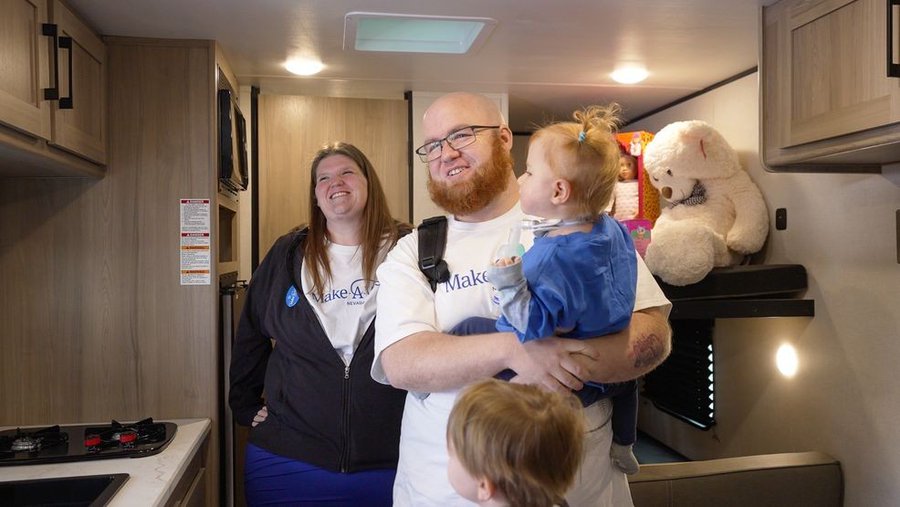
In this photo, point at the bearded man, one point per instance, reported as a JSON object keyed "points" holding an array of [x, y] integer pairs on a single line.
{"points": [[471, 176]]}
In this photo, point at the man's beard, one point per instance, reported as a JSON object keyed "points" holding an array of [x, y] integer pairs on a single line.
{"points": [[472, 196]]}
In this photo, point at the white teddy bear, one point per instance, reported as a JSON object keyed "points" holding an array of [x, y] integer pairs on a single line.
{"points": [[717, 214]]}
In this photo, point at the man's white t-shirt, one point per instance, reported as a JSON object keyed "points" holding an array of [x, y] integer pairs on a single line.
{"points": [[407, 305]]}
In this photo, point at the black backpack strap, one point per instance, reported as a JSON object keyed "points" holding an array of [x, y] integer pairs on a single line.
{"points": [[432, 241]]}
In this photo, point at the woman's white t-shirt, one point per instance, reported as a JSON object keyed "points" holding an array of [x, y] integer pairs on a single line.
{"points": [[347, 305]]}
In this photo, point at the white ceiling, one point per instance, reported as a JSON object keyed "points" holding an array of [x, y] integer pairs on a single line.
{"points": [[550, 56]]}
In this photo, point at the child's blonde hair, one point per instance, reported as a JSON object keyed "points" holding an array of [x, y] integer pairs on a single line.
{"points": [[528, 442], [586, 154]]}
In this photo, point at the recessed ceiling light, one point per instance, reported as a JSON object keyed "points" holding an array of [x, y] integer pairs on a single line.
{"points": [[408, 33], [629, 75], [304, 66]]}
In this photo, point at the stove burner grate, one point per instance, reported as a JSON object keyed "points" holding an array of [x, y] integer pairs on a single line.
{"points": [[64, 443], [124, 435], [33, 441]]}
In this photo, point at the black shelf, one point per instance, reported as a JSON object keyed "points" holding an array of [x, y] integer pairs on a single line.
{"points": [[759, 290], [742, 308]]}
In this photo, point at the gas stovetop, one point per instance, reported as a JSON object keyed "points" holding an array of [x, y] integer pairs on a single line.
{"points": [[56, 444]]}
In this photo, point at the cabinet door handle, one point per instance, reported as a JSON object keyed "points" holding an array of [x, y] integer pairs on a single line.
{"points": [[67, 102], [893, 69], [49, 30]]}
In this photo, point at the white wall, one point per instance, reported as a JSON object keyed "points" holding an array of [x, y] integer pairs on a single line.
{"points": [[845, 399]]}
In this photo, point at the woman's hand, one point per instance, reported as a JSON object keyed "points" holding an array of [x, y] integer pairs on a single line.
{"points": [[260, 416]]}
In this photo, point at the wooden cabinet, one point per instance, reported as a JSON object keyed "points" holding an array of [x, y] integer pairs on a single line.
{"points": [[44, 46], [190, 491], [24, 55], [228, 228], [81, 128], [826, 93]]}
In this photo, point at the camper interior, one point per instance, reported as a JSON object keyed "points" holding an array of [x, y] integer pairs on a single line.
{"points": [[118, 238]]}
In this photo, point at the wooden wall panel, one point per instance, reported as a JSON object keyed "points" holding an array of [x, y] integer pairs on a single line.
{"points": [[293, 128], [96, 325]]}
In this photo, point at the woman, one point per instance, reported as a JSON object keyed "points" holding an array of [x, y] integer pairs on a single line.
{"points": [[326, 433]]}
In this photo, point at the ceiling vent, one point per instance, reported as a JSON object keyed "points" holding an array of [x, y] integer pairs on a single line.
{"points": [[407, 33]]}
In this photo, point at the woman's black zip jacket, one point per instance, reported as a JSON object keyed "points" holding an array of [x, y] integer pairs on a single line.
{"points": [[320, 411]]}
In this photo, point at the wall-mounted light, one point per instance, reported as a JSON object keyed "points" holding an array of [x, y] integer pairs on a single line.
{"points": [[630, 74], [304, 66], [786, 360]]}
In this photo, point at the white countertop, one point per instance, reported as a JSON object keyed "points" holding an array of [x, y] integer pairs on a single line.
{"points": [[151, 478]]}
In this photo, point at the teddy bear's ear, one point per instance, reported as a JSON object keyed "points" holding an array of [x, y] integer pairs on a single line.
{"points": [[694, 133], [710, 145], [725, 154], [704, 138]]}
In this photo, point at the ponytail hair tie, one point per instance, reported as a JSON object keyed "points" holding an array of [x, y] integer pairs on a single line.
{"points": [[581, 136]]}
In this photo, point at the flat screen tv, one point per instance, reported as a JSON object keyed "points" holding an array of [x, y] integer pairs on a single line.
{"points": [[233, 173]]}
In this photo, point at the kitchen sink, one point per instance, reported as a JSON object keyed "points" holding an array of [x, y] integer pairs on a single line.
{"points": [[86, 490]]}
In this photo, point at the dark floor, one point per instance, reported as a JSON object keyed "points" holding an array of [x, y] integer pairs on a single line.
{"points": [[649, 450]]}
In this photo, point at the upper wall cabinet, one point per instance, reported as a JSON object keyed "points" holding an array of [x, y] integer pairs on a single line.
{"points": [[830, 90], [24, 51], [52, 91], [80, 123]]}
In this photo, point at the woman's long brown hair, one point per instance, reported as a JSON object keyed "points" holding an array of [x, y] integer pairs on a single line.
{"points": [[378, 225]]}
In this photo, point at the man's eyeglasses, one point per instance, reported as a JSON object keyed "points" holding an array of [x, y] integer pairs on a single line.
{"points": [[456, 139]]}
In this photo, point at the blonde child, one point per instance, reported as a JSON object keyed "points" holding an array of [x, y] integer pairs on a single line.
{"points": [[578, 280], [514, 444]]}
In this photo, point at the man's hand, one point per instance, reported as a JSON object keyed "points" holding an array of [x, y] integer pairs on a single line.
{"points": [[556, 364]]}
